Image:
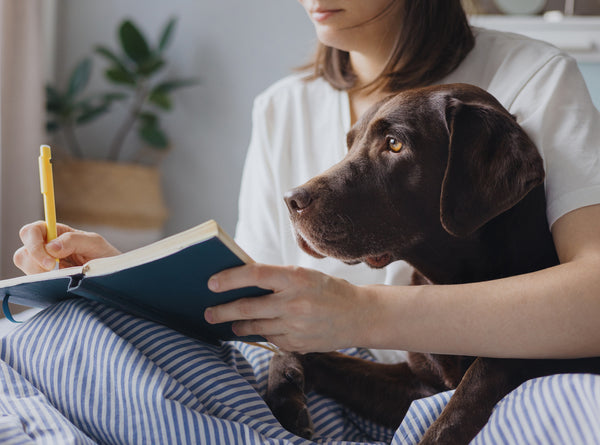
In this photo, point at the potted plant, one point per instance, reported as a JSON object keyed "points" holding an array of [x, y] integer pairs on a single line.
{"points": [[117, 193]]}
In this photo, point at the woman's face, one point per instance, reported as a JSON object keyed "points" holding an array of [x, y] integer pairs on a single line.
{"points": [[349, 24]]}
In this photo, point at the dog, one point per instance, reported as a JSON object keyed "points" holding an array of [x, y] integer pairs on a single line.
{"points": [[444, 178]]}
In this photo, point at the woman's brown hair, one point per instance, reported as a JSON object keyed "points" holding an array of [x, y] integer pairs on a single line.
{"points": [[435, 37]]}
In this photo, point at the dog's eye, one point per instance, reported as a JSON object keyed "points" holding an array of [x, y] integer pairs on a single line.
{"points": [[394, 144]]}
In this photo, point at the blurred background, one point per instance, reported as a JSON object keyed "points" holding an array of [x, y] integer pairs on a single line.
{"points": [[224, 53]]}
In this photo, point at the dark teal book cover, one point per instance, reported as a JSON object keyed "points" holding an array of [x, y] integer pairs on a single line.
{"points": [[171, 290]]}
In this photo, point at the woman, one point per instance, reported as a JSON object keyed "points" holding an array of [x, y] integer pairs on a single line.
{"points": [[368, 50], [546, 93]]}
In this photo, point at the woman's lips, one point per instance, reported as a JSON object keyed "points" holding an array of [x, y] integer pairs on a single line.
{"points": [[320, 15]]}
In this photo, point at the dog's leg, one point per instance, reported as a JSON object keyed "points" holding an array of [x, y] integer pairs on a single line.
{"points": [[376, 391], [285, 394], [484, 384]]}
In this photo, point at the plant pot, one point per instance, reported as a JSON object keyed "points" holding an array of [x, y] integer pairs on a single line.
{"points": [[122, 202]]}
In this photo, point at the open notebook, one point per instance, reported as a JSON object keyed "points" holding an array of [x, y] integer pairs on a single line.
{"points": [[165, 281]]}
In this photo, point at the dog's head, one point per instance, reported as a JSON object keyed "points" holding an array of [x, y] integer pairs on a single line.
{"points": [[422, 166]]}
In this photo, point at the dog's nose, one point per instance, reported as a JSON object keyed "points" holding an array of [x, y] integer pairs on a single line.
{"points": [[297, 199]]}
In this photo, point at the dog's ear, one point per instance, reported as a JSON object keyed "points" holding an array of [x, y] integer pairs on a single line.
{"points": [[492, 165]]}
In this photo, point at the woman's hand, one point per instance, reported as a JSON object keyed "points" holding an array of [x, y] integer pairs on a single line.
{"points": [[72, 247], [307, 312]]}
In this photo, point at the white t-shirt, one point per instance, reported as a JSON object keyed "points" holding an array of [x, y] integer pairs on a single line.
{"points": [[299, 130]]}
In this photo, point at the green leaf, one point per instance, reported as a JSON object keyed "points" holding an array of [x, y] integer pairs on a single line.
{"points": [[112, 97], [54, 100], [83, 104], [52, 93], [171, 85], [150, 66], [53, 107], [80, 77], [148, 119], [120, 76], [111, 57], [167, 34], [160, 99], [52, 127], [133, 42], [153, 136], [92, 113], [66, 112]]}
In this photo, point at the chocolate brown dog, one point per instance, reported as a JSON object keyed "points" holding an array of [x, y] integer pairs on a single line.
{"points": [[444, 178]]}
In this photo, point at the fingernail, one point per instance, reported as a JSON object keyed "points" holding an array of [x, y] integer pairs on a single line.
{"points": [[208, 315], [213, 284], [53, 246]]}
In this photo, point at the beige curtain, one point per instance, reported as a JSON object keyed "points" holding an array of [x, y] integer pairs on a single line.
{"points": [[21, 121]]}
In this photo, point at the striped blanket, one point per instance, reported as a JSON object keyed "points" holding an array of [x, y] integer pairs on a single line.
{"points": [[81, 373]]}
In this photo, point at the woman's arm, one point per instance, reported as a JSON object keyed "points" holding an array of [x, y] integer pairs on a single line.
{"points": [[549, 313]]}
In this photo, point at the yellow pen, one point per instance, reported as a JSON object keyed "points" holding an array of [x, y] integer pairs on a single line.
{"points": [[47, 184]]}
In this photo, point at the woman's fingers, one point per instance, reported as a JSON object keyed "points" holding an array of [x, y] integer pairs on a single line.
{"points": [[33, 257], [254, 308], [307, 311], [260, 275], [87, 245], [266, 328], [28, 264], [72, 247]]}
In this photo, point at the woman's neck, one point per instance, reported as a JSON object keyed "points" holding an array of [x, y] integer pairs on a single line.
{"points": [[366, 69], [360, 101], [368, 63]]}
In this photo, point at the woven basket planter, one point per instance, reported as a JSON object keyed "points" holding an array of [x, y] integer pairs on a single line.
{"points": [[111, 198]]}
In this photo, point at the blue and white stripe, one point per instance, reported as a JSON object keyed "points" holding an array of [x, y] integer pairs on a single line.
{"points": [[559, 409], [81, 373]]}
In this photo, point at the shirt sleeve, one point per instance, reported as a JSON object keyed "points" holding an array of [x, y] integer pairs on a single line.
{"points": [[257, 226], [556, 110]]}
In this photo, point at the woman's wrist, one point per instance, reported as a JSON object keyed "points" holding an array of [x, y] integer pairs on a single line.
{"points": [[373, 327], [388, 315]]}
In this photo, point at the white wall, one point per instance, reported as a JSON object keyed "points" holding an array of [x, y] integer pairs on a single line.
{"points": [[236, 47]]}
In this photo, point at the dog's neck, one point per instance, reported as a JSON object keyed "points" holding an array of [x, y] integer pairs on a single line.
{"points": [[517, 241]]}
